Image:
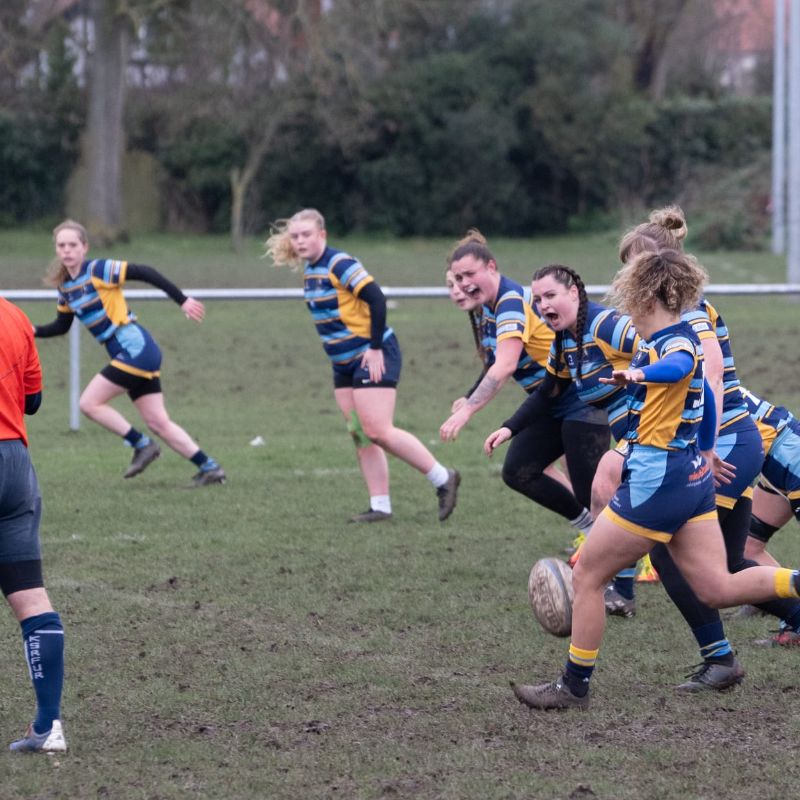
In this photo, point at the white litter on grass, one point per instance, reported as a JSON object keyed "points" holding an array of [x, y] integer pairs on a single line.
{"points": [[257, 442]]}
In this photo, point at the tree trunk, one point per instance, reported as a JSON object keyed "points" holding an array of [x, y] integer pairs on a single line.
{"points": [[238, 192], [242, 178], [105, 135]]}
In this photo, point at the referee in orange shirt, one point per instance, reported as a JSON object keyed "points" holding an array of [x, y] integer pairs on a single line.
{"points": [[20, 511]]}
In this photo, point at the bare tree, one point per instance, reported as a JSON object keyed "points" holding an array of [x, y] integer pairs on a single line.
{"points": [[671, 38], [105, 136]]}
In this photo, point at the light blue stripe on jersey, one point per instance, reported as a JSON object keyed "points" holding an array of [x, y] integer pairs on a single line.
{"points": [[325, 313], [349, 355], [621, 330], [321, 294], [336, 335], [351, 273]]}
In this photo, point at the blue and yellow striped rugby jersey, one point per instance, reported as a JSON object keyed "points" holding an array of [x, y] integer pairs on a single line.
{"points": [[769, 419], [707, 322], [331, 287], [512, 317], [667, 415], [95, 297], [609, 343]]}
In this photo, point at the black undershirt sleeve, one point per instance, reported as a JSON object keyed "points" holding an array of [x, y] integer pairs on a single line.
{"points": [[536, 403], [60, 325], [372, 295], [140, 272]]}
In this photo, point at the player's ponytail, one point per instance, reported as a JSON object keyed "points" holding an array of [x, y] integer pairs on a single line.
{"points": [[278, 246]]}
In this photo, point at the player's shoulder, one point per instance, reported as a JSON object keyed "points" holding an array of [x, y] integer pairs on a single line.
{"points": [[13, 312]]}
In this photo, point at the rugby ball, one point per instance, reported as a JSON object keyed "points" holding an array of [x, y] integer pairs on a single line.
{"points": [[551, 594]]}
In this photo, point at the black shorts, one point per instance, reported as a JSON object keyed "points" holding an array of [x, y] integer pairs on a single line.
{"points": [[136, 385], [354, 376]]}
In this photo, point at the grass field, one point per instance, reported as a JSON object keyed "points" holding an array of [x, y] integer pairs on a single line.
{"points": [[246, 642]]}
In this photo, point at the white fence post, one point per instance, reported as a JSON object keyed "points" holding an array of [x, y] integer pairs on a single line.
{"points": [[74, 377]]}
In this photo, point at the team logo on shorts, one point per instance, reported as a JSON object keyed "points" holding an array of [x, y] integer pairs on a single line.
{"points": [[700, 470]]}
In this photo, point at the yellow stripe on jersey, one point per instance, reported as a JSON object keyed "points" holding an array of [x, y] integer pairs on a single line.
{"points": [[537, 340], [111, 296], [353, 311]]}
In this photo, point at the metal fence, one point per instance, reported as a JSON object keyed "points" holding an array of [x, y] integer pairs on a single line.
{"points": [[297, 294]]}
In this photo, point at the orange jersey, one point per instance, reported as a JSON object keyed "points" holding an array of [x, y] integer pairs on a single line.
{"points": [[20, 371]]}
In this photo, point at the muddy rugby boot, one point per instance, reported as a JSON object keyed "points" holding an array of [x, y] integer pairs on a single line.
{"points": [[713, 675], [142, 458], [783, 638], [371, 515], [448, 493], [206, 477], [547, 696], [617, 605]]}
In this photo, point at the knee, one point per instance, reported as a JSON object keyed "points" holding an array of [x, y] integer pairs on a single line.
{"points": [[584, 578], [86, 406], [518, 477], [375, 434], [712, 592]]}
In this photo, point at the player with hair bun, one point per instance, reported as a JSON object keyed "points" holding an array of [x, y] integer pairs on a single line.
{"points": [[349, 312], [737, 457], [667, 491], [520, 341], [91, 290]]}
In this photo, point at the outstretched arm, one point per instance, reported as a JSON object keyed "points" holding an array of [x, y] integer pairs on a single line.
{"points": [[506, 360], [193, 309], [58, 327]]}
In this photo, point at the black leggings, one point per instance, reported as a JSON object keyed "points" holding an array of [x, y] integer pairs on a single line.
{"points": [[735, 524], [542, 442]]}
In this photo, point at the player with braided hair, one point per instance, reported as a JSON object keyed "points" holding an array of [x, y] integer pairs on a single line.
{"points": [[484, 347], [591, 341], [667, 492], [521, 341], [737, 458]]}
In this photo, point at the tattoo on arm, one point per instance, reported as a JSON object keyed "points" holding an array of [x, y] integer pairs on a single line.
{"points": [[486, 390]]}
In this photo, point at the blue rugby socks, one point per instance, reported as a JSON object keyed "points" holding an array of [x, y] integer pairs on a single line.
{"points": [[623, 582], [204, 462], [579, 669], [714, 646], [136, 439], [43, 636]]}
